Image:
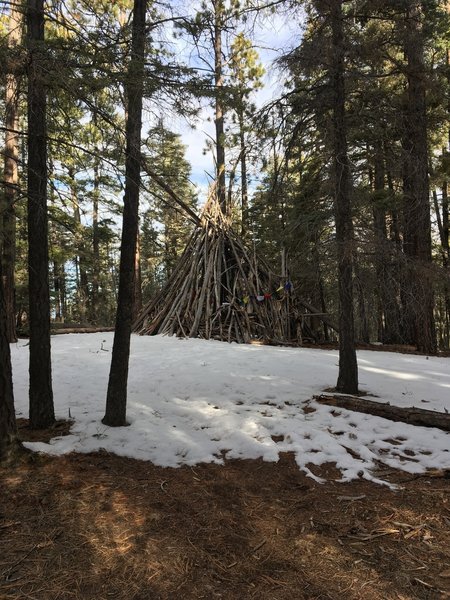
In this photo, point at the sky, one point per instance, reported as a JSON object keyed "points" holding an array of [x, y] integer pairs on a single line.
{"points": [[194, 401], [272, 36]]}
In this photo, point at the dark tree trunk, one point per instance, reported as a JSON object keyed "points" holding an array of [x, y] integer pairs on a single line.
{"points": [[95, 248], [244, 183], [116, 400], [379, 226], [445, 222], [398, 267], [446, 255], [445, 212], [348, 369], [445, 184], [41, 394], [387, 292], [137, 303], [80, 258], [320, 286], [444, 309], [8, 430], [7, 205], [417, 221], [364, 333], [219, 110], [59, 285]]}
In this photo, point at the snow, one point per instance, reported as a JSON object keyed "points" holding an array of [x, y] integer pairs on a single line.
{"points": [[192, 401]]}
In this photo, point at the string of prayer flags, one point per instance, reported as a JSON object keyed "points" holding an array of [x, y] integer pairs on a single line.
{"points": [[278, 294]]}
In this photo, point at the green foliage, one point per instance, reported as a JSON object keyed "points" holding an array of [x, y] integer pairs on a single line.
{"points": [[165, 229]]}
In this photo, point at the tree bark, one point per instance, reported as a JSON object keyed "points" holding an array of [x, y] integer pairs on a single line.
{"points": [[364, 333], [244, 182], [137, 302], [410, 415], [58, 284], [116, 400], [8, 429], [219, 110], [389, 308], [11, 179], [41, 393], [417, 229], [348, 368], [94, 316], [80, 258]]}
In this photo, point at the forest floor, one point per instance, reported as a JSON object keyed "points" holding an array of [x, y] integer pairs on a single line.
{"points": [[99, 526]]}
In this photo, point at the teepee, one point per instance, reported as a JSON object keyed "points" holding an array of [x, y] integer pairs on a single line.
{"points": [[220, 290]]}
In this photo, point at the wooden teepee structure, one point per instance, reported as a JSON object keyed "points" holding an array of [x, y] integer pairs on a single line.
{"points": [[219, 290]]}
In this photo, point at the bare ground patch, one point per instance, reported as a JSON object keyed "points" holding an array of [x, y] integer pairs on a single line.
{"points": [[98, 526]]}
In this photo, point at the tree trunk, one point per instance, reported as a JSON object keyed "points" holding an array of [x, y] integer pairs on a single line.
{"points": [[8, 430], [445, 209], [41, 394], [116, 400], [137, 303], [95, 248], [446, 160], [57, 287], [11, 180], [417, 231], [364, 333], [80, 258], [348, 369], [219, 111], [244, 183], [445, 222], [399, 270], [387, 294], [379, 227], [320, 286], [446, 251]]}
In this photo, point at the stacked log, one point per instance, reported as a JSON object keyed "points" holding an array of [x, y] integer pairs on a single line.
{"points": [[219, 290]]}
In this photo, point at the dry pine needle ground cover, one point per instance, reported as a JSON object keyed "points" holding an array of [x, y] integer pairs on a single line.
{"points": [[98, 526]]}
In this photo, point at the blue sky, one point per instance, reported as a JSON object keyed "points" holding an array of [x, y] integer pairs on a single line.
{"points": [[272, 37]]}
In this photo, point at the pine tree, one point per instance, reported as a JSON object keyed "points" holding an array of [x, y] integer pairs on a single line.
{"points": [[116, 400], [41, 394], [417, 232], [166, 153], [348, 370], [245, 75], [11, 156], [8, 430]]}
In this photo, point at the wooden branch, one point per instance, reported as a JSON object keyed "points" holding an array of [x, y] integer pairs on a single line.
{"points": [[317, 313], [410, 415], [204, 295], [166, 187]]}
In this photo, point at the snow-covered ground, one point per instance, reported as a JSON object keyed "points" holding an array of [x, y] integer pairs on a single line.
{"points": [[192, 401]]}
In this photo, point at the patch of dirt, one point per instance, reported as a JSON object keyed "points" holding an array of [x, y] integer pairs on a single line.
{"points": [[98, 526], [26, 434]]}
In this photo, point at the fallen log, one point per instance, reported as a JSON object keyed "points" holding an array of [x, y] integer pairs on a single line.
{"points": [[80, 330], [410, 415]]}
